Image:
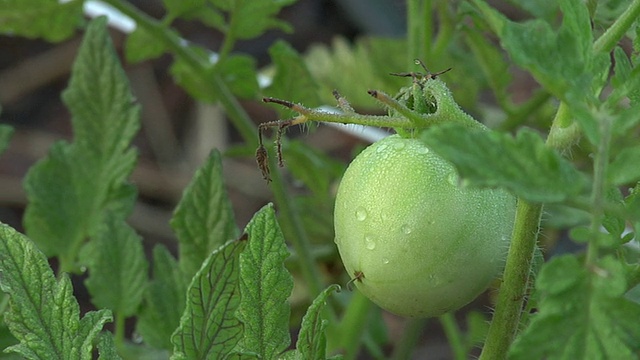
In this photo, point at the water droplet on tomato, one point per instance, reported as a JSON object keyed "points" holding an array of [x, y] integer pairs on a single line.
{"points": [[369, 242], [385, 261], [381, 148], [423, 150], [399, 145], [406, 229], [452, 179], [361, 214]]}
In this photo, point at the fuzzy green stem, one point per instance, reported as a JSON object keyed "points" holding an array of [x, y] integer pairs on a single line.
{"points": [[564, 132], [118, 335], [597, 191], [514, 286], [616, 31], [452, 331]]}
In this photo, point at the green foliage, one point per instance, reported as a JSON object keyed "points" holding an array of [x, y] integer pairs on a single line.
{"points": [[47, 19], [104, 122], [208, 328], [265, 286], [292, 79], [43, 314], [141, 45], [312, 340], [117, 267], [521, 164], [203, 220], [164, 300], [585, 311]]}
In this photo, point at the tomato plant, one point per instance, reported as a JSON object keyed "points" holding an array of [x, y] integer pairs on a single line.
{"points": [[535, 183]]}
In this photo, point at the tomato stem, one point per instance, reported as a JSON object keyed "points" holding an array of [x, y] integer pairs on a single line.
{"points": [[514, 287]]}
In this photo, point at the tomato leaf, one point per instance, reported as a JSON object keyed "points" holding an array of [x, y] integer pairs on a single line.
{"points": [[164, 301], [208, 327], [521, 164], [43, 314], [585, 310], [312, 342], [69, 190], [265, 286], [249, 19], [117, 267], [203, 220], [106, 347], [142, 45], [622, 169], [48, 19]]}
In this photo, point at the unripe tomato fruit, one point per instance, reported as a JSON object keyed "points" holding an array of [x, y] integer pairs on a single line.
{"points": [[416, 242]]}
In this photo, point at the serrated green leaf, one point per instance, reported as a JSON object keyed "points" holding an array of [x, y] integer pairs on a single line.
{"points": [[522, 165], [208, 327], [106, 347], [292, 79], [625, 168], [249, 18], [47, 19], [203, 220], [69, 190], [117, 267], [312, 342], [586, 312], [561, 60], [164, 301], [141, 45], [43, 313], [265, 286]]}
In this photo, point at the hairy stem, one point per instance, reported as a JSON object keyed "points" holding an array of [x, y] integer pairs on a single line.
{"points": [[514, 286], [616, 31]]}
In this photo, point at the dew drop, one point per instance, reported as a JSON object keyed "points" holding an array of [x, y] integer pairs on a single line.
{"points": [[406, 229], [452, 179], [361, 214], [399, 145], [385, 261], [369, 242], [434, 279], [423, 150]]}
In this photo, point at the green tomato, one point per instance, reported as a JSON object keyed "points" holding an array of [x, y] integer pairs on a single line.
{"points": [[416, 242]]}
